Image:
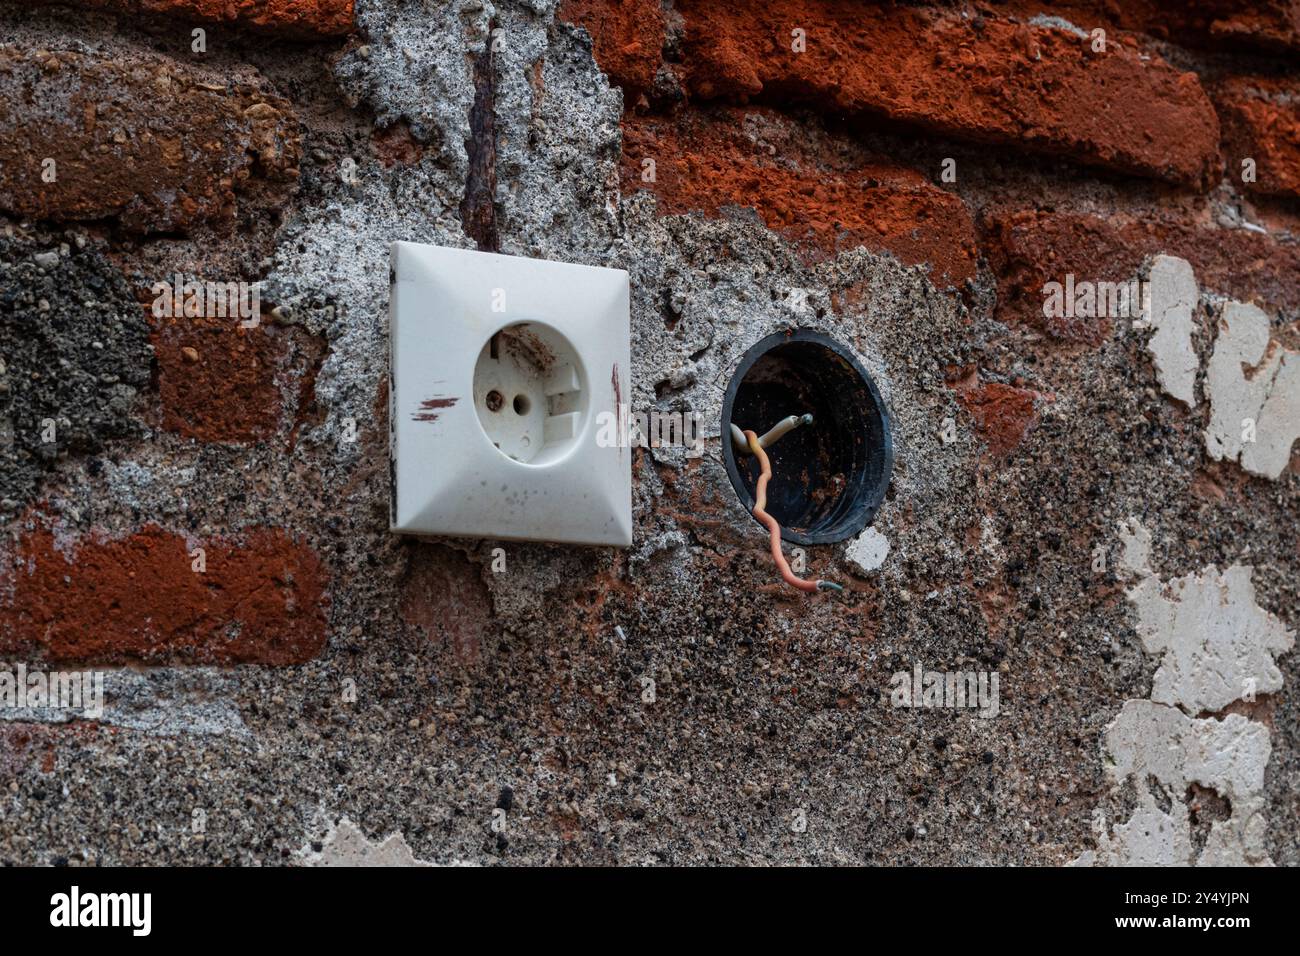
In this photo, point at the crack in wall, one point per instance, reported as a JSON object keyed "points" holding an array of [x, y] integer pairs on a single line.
{"points": [[478, 211]]}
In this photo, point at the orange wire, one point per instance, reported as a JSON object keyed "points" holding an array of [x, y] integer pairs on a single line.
{"points": [[773, 528]]}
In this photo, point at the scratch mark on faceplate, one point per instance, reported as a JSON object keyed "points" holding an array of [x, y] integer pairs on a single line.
{"points": [[618, 404], [429, 408]]}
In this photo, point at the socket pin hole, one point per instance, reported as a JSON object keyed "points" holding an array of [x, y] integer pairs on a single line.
{"points": [[531, 394]]}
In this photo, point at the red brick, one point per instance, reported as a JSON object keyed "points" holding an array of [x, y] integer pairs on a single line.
{"points": [[1003, 414], [302, 19], [1261, 121], [989, 80], [140, 140], [105, 600], [626, 35], [395, 146], [221, 382], [1028, 248], [1272, 25], [705, 161], [444, 597]]}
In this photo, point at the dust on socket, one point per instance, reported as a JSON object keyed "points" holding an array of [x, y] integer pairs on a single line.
{"points": [[530, 393]]}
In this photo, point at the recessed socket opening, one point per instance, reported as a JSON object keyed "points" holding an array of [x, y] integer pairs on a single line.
{"points": [[530, 393], [828, 478]]}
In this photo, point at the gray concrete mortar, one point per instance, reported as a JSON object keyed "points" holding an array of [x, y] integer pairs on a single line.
{"points": [[767, 704]]}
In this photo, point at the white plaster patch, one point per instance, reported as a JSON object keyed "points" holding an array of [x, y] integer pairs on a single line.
{"points": [[1151, 742], [1136, 540], [1242, 343], [1279, 422], [1173, 297], [868, 550], [1217, 644], [1227, 756], [1254, 392], [347, 845], [1150, 837]]}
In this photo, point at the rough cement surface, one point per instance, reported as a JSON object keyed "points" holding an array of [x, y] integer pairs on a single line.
{"points": [[74, 355], [450, 690]]}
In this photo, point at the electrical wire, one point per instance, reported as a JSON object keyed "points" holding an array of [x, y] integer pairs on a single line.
{"points": [[755, 445], [786, 424]]}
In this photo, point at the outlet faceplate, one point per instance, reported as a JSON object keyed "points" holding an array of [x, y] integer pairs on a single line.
{"points": [[504, 373]]}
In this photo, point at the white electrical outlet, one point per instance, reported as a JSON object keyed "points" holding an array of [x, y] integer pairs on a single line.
{"points": [[506, 381]]}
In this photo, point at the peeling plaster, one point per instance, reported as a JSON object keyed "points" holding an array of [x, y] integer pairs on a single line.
{"points": [[1150, 837], [347, 845], [1217, 644], [1173, 297], [1136, 539], [1279, 422], [1251, 382], [1229, 756], [867, 552]]}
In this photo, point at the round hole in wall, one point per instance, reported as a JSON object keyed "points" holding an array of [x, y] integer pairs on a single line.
{"points": [[828, 478], [541, 369]]}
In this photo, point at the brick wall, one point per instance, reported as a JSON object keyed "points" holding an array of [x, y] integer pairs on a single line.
{"points": [[196, 503]]}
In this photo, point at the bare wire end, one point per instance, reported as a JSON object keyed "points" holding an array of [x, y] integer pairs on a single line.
{"points": [[784, 426]]}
